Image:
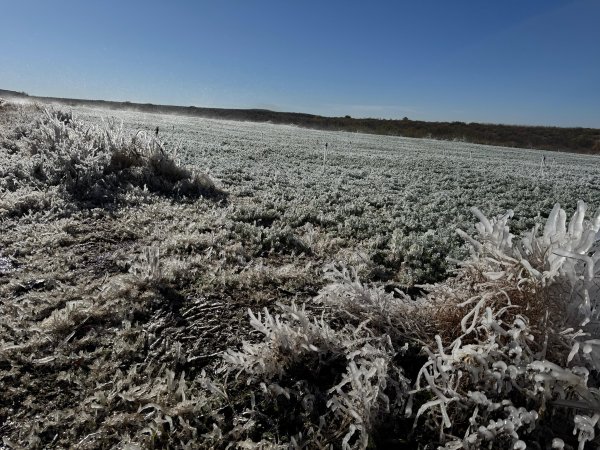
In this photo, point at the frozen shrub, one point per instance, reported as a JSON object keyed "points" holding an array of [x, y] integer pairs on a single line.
{"points": [[511, 327], [327, 384], [96, 164], [390, 313]]}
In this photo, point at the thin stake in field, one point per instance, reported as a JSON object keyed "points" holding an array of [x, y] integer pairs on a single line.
{"points": [[543, 165]]}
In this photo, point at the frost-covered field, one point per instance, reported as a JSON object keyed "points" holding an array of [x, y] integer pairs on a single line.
{"points": [[398, 199], [240, 285]]}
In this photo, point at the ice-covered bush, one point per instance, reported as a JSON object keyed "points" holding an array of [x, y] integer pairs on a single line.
{"points": [[515, 335], [96, 164], [324, 384]]}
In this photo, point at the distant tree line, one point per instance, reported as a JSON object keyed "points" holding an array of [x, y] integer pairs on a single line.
{"points": [[580, 140]]}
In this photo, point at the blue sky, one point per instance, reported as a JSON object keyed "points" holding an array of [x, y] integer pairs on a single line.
{"points": [[509, 61]]}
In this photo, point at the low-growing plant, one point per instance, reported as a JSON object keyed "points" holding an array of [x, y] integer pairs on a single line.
{"points": [[331, 385]]}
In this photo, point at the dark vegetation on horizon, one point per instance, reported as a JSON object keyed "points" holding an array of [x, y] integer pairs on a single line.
{"points": [[580, 140]]}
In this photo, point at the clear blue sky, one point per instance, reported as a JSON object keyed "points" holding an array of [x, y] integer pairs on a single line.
{"points": [[509, 61]]}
